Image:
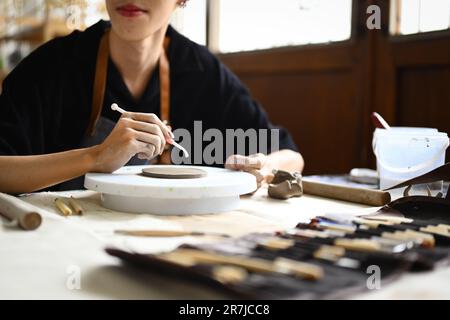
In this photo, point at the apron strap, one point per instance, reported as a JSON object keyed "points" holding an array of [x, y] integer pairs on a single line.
{"points": [[164, 80], [98, 94]]}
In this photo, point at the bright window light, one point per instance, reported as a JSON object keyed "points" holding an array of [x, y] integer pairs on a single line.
{"points": [[434, 15], [260, 24], [416, 16], [191, 21]]}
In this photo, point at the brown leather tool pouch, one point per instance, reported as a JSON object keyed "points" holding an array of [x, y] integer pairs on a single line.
{"points": [[423, 207]]}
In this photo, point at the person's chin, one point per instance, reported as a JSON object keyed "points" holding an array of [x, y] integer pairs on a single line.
{"points": [[132, 30], [132, 21]]}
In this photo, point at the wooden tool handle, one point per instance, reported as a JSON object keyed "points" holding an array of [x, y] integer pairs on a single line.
{"points": [[154, 233], [168, 233], [339, 192], [15, 209], [279, 265], [76, 206], [358, 244]]}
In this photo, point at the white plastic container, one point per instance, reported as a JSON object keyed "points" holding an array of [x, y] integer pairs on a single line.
{"points": [[405, 152]]}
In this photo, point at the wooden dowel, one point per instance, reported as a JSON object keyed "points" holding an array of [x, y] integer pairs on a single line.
{"points": [[63, 208], [76, 206], [18, 210], [358, 195]]}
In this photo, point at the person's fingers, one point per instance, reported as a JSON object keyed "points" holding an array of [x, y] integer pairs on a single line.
{"points": [[145, 156], [239, 162], [149, 128], [150, 118], [259, 177], [170, 131], [143, 131], [150, 139], [235, 162], [256, 161], [145, 150], [269, 177]]}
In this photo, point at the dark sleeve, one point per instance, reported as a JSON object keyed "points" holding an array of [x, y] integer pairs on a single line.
{"points": [[20, 122], [35, 100], [241, 111]]}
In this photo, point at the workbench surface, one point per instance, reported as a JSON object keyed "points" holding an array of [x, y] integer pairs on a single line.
{"points": [[42, 264]]}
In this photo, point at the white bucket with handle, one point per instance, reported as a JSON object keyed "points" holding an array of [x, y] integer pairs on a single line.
{"points": [[405, 152]]}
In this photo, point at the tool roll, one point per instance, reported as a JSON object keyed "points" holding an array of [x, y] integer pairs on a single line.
{"points": [[329, 257]]}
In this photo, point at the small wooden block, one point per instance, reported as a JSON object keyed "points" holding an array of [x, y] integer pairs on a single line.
{"points": [[163, 172]]}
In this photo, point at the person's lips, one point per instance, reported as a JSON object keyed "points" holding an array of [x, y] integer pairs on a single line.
{"points": [[130, 10]]}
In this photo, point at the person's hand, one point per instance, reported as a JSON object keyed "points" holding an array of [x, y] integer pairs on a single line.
{"points": [[256, 164], [143, 134]]}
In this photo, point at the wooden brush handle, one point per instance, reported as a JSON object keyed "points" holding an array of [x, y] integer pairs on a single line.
{"points": [[280, 265]]}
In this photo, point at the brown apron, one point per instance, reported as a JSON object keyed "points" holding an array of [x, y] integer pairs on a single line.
{"points": [[100, 127]]}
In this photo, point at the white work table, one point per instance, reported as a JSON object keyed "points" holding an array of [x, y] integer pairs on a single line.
{"points": [[38, 264]]}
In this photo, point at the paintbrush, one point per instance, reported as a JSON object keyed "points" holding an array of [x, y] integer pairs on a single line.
{"points": [[278, 266], [333, 254], [357, 242], [404, 237]]}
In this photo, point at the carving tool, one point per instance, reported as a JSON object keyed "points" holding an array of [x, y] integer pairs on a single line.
{"points": [[115, 107], [168, 233]]}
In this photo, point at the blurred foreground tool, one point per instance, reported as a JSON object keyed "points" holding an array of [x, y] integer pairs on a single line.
{"points": [[358, 195]]}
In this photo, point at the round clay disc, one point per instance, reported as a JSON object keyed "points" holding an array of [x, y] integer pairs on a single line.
{"points": [[163, 172]]}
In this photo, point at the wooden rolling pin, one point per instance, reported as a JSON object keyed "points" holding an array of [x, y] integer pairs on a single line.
{"points": [[359, 195], [18, 210]]}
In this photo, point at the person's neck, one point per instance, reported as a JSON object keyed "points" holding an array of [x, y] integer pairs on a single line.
{"points": [[136, 60]]}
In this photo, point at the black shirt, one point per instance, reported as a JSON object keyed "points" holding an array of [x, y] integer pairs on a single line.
{"points": [[46, 100]]}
